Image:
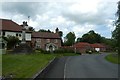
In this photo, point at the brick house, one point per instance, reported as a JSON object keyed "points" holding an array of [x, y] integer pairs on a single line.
{"points": [[82, 47], [98, 47], [46, 40], [43, 40], [11, 28]]}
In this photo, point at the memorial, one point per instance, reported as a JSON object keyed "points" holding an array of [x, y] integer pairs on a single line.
{"points": [[23, 47]]}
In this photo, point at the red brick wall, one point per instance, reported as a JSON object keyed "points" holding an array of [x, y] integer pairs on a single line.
{"points": [[45, 41]]}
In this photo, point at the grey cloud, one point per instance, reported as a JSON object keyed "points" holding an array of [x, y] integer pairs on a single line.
{"points": [[24, 8], [104, 11]]}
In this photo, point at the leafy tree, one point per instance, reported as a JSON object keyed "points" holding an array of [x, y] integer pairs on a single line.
{"points": [[31, 29], [116, 32], [60, 33], [70, 39], [79, 39], [11, 41], [90, 37], [109, 42]]}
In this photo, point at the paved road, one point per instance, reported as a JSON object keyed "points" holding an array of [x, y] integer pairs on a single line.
{"points": [[57, 70], [84, 66]]}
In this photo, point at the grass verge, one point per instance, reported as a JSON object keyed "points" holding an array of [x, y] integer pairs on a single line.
{"points": [[114, 58], [24, 66]]}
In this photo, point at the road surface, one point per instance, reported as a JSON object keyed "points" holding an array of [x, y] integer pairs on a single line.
{"points": [[84, 66]]}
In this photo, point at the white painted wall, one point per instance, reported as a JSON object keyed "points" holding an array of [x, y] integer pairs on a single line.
{"points": [[97, 49], [27, 35]]}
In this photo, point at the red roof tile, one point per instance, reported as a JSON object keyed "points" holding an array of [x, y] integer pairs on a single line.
{"points": [[97, 45], [45, 35], [82, 45], [10, 25]]}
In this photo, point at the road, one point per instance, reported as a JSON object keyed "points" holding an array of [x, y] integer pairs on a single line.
{"points": [[84, 66]]}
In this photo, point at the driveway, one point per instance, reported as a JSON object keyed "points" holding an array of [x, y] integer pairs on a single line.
{"points": [[83, 66]]}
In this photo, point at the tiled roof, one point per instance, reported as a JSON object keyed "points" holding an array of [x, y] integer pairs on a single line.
{"points": [[97, 45], [45, 35], [9, 25], [82, 45]]}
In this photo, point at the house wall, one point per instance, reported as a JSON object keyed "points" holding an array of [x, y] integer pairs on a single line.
{"points": [[27, 35], [42, 42], [81, 50], [100, 49]]}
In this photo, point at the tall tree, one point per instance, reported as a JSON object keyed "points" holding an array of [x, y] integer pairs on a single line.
{"points": [[116, 32], [70, 39], [60, 33], [90, 37]]}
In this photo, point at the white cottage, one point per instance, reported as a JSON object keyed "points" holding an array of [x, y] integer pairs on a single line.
{"points": [[9, 27]]}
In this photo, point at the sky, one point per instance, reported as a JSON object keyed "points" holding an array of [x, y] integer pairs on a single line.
{"points": [[78, 16]]}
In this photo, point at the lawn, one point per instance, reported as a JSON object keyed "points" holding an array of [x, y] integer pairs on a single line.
{"points": [[24, 66], [113, 58]]}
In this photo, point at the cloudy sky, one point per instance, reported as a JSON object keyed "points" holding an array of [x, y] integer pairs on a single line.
{"points": [[79, 16]]}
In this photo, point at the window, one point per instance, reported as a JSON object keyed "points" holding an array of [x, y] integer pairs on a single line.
{"points": [[38, 40], [48, 40], [16, 34], [19, 35], [3, 33], [56, 41]]}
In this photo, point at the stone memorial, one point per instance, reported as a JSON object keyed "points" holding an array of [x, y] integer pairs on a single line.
{"points": [[23, 47]]}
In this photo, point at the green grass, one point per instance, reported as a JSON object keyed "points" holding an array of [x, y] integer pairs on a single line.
{"points": [[24, 66], [113, 58]]}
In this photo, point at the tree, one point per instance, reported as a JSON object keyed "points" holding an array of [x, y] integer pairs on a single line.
{"points": [[60, 33], [70, 39], [79, 39], [11, 41], [90, 37], [31, 29], [116, 32], [109, 42]]}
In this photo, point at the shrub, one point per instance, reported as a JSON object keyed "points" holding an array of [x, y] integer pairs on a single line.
{"points": [[78, 53], [12, 41], [46, 52], [89, 51], [62, 50]]}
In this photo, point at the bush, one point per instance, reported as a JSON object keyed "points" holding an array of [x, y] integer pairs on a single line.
{"points": [[42, 51], [62, 50], [46, 52], [89, 51], [78, 53], [39, 50]]}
